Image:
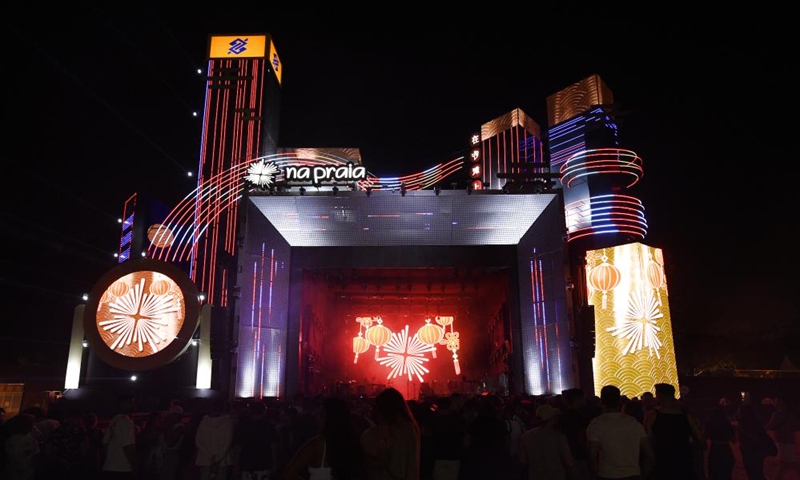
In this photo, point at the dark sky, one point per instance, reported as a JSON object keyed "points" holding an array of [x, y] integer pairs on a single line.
{"points": [[98, 104]]}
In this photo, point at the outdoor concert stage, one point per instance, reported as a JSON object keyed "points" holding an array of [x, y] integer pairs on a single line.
{"points": [[427, 291]]}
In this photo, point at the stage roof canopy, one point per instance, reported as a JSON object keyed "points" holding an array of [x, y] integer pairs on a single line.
{"points": [[387, 218]]}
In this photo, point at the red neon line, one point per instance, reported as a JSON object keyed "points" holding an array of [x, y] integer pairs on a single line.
{"points": [[271, 286], [260, 316], [259, 98], [253, 331], [540, 288]]}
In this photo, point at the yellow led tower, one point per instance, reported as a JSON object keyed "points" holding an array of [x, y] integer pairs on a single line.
{"points": [[633, 331]]}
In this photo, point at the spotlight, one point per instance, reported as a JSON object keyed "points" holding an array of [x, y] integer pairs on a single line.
{"points": [[437, 190], [85, 297], [403, 189], [201, 297], [133, 378], [302, 190], [369, 191], [199, 71], [116, 255], [194, 114], [119, 220], [194, 342], [85, 344], [188, 174]]}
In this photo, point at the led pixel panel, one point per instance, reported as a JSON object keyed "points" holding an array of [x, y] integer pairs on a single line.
{"points": [[141, 315], [634, 348], [389, 219]]}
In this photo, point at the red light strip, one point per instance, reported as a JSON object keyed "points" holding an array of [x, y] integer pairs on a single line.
{"points": [[606, 214], [200, 209], [601, 161]]}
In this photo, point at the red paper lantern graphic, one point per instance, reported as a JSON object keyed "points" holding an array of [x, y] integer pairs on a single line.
{"points": [[119, 288], [159, 287], [360, 345], [604, 277], [378, 335], [444, 320], [430, 334]]}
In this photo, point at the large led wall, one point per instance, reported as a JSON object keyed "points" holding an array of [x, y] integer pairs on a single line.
{"points": [[633, 331], [263, 310], [544, 321]]}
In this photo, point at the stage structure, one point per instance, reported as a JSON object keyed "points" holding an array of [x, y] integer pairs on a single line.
{"points": [[307, 273]]}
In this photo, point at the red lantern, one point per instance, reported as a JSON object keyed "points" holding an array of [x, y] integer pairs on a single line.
{"points": [[444, 321], [430, 334], [119, 288], [655, 275], [360, 345], [378, 335], [604, 277], [159, 287]]}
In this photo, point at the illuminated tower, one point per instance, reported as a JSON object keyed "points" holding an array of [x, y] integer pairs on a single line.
{"points": [[139, 225], [240, 122], [627, 289], [622, 325], [508, 152], [595, 172]]}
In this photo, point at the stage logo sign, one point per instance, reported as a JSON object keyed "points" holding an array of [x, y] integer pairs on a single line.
{"points": [[264, 174]]}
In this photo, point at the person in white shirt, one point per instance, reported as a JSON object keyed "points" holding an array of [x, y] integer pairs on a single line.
{"points": [[213, 440], [618, 444], [120, 443]]}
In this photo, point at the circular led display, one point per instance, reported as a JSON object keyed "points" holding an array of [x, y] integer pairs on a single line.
{"points": [[141, 314], [160, 235]]}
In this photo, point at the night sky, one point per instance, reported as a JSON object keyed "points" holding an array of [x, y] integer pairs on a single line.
{"points": [[98, 104]]}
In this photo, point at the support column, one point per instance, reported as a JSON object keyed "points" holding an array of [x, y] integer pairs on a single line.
{"points": [[75, 357]]}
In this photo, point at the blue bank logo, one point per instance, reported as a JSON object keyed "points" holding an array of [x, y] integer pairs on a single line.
{"points": [[276, 64], [238, 46]]}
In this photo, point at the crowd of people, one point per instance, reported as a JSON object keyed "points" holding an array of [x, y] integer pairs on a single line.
{"points": [[570, 436]]}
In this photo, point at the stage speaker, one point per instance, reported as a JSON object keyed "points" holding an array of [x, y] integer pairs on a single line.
{"points": [[220, 328]]}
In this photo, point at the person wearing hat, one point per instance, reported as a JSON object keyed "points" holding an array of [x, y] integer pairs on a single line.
{"points": [[544, 449]]}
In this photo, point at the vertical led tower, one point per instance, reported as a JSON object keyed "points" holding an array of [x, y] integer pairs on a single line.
{"points": [[595, 172], [634, 349], [240, 122]]}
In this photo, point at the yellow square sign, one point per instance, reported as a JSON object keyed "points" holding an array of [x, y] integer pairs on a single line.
{"points": [[238, 46]]}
